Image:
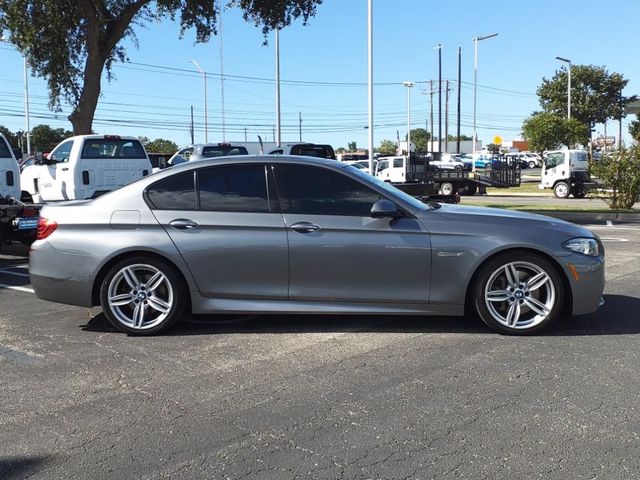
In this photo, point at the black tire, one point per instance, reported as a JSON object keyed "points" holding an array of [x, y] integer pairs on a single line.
{"points": [[579, 193], [561, 190], [492, 281], [457, 168], [532, 164], [469, 190], [163, 303]]}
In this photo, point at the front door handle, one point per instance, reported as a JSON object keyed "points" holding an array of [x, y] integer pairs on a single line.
{"points": [[183, 224], [64, 169], [305, 227]]}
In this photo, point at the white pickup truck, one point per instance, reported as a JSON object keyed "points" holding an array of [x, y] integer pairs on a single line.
{"points": [[86, 166]]}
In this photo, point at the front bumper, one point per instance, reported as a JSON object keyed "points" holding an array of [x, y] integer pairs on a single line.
{"points": [[587, 280]]}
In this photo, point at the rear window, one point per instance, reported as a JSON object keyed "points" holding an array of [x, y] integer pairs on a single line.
{"points": [[223, 151], [320, 151], [112, 148], [4, 149]]}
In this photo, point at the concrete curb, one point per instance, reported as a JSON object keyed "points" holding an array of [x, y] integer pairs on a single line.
{"points": [[590, 218]]}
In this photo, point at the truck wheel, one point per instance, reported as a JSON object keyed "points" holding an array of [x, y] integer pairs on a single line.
{"points": [[561, 190], [469, 190], [518, 293], [579, 193], [446, 188]]}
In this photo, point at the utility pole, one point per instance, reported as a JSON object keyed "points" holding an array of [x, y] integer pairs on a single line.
{"points": [[245, 134], [431, 92], [459, 90], [439, 47], [300, 125], [277, 46], [191, 127], [446, 119], [224, 128], [274, 135]]}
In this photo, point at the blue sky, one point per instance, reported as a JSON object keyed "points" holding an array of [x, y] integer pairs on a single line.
{"points": [[324, 70]]}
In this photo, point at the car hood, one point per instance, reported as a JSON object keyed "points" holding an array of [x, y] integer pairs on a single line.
{"points": [[487, 216]]}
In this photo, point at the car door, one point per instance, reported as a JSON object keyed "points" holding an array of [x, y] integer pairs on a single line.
{"points": [[228, 231], [338, 252], [52, 178]]}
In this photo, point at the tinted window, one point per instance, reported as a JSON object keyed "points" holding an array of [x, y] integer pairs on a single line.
{"points": [[383, 165], [112, 148], [223, 150], [555, 159], [318, 191], [236, 188], [174, 193], [4, 149], [397, 163], [321, 151]]}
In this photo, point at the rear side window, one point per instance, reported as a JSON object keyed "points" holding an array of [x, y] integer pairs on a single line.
{"points": [[397, 163], [319, 191], [233, 188], [222, 151], [112, 148], [4, 149], [174, 193]]}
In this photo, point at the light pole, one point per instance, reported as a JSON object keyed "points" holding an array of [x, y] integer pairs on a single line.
{"points": [[409, 86], [475, 86], [370, 80], [204, 75], [567, 61], [26, 98]]}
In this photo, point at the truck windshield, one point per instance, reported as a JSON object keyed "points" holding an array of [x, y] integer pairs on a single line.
{"points": [[112, 148]]}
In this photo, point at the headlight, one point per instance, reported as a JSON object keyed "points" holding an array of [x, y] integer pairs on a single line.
{"points": [[585, 246]]}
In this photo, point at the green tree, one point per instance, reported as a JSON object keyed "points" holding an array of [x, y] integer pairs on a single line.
{"points": [[387, 147], [493, 148], [634, 128], [44, 138], [352, 146], [620, 173], [71, 43], [463, 138], [547, 131], [340, 150], [160, 145], [420, 138], [596, 95], [11, 137]]}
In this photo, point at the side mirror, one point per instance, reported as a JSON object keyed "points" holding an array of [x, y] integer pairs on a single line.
{"points": [[162, 163], [385, 209], [38, 158]]}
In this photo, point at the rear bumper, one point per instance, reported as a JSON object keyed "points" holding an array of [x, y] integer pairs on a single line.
{"points": [[62, 277]]}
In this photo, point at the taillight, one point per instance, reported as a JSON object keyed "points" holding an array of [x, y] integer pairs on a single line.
{"points": [[45, 228]]}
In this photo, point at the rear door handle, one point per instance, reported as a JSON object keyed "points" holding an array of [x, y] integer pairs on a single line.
{"points": [[305, 227], [183, 224]]}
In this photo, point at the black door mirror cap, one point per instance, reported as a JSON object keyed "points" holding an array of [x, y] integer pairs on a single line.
{"points": [[385, 209]]}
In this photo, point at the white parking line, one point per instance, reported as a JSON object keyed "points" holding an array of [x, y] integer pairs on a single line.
{"points": [[19, 289], [609, 223], [614, 239]]}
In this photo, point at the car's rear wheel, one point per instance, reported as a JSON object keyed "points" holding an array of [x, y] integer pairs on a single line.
{"points": [[142, 295], [518, 293], [532, 164]]}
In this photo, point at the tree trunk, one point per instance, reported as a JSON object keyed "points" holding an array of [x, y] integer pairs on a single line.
{"points": [[82, 116]]}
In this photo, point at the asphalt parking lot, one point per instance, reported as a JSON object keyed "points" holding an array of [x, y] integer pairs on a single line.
{"points": [[273, 397]]}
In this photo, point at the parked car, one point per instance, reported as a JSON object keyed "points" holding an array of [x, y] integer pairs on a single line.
{"points": [[201, 151], [449, 161], [293, 235]]}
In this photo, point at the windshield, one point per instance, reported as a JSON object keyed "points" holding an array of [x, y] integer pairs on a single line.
{"points": [[4, 149], [555, 159], [387, 187]]}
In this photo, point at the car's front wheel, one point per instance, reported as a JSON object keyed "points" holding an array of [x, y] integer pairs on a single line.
{"points": [[142, 295], [518, 293]]}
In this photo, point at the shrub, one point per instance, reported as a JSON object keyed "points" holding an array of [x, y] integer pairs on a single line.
{"points": [[620, 174]]}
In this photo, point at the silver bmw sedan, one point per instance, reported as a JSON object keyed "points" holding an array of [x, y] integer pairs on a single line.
{"points": [[283, 235]]}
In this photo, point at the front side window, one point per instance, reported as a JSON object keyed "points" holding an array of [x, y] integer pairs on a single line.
{"points": [[62, 152], [174, 193], [383, 165], [555, 159], [233, 188], [319, 191]]}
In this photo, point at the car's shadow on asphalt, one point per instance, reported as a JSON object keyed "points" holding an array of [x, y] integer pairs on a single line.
{"points": [[619, 316], [19, 467]]}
